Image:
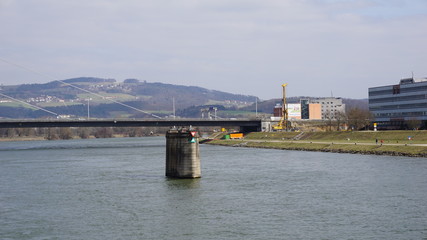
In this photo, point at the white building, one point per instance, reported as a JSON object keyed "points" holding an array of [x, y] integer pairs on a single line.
{"points": [[331, 108]]}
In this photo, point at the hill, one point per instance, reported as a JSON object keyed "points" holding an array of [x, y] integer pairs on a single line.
{"points": [[71, 97]]}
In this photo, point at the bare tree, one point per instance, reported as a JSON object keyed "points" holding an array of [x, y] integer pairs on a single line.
{"points": [[358, 118], [104, 132], [65, 133], [413, 123], [83, 132], [8, 132], [341, 118], [52, 134], [328, 118], [11, 132]]}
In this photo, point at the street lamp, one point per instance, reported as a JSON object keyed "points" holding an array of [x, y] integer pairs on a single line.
{"points": [[88, 112]]}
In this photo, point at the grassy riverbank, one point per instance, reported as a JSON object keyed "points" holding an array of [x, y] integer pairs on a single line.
{"points": [[396, 143], [15, 139]]}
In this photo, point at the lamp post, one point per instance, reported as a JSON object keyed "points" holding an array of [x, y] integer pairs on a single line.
{"points": [[88, 112], [173, 106], [256, 107]]}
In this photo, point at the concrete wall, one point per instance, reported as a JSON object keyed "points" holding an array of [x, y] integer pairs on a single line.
{"points": [[182, 155]]}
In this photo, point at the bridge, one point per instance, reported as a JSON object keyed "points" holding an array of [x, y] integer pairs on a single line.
{"points": [[246, 125]]}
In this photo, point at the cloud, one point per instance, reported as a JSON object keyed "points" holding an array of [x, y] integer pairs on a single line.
{"points": [[248, 47]]}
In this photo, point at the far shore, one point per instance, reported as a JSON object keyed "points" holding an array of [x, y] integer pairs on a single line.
{"points": [[20, 139]]}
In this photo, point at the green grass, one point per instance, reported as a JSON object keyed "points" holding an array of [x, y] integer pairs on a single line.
{"points": [[215, 102], [412, 151], [159, 112], [119, 114], [17, 104], [227, 113], [336, 140], [362, 136], [58, 104], [272, 135], [387, 136], [113, 96]]}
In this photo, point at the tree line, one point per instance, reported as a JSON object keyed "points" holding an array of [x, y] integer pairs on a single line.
{"points": [[80, 132]]}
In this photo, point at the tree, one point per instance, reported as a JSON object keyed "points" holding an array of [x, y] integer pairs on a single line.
{"points": [[8, 132], [52, 134], [413, 123], [65, 133], [328, 120], [135, 132], [358, 118], [83, 132], [104, 132], [11, 132], [340, 119]]}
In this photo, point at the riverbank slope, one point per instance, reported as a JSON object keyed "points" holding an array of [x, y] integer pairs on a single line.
{"points": [[395, 143]]}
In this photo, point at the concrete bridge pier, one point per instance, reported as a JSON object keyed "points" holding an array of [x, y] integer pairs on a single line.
{"points": [[182, 154]]}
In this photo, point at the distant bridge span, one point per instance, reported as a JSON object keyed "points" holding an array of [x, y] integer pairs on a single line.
{"points": [[245, 125]]}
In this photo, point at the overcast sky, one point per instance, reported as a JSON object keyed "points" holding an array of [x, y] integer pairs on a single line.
{"points": [[248, 47]]}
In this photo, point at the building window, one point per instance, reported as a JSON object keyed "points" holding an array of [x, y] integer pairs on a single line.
{"points": [[396, 89]]}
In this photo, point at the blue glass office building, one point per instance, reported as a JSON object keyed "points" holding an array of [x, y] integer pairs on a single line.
{"points": [[400, 106]]}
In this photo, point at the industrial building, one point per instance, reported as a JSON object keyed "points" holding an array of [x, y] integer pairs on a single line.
{"points": [[400, 106]]}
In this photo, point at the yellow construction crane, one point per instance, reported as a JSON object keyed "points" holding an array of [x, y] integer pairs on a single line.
{"points": [[284, 123]]}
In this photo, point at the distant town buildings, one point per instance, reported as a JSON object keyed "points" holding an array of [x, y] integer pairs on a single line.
{"points": [[44, 98], [313, 109], [3, 100], [397, 106]]}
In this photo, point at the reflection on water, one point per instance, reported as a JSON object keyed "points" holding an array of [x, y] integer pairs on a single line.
{"points": [[182, 184], [116, 189]]}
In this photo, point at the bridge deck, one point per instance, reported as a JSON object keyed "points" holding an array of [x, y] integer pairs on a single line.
{"points": [[243, 123]]}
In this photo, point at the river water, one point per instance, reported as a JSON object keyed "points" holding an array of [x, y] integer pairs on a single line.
{"points": [[116, 189]]}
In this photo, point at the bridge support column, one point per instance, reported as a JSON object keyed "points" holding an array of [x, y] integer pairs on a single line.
{"points": [[182, 154]]}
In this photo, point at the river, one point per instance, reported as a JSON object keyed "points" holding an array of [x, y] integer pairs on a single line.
{"points": [[116, 189]]}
